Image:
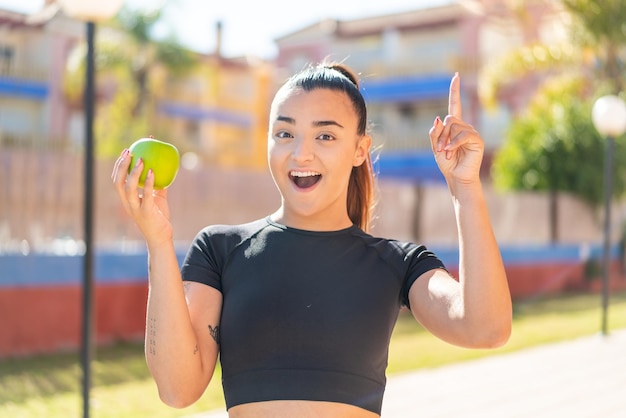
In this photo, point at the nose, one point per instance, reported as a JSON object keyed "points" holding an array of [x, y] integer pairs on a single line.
{"points": [[302, 150]]}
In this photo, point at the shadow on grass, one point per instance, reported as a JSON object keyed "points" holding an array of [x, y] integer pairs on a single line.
{"points": [[54, 374], [562, 304], [123, 362], [527, 308]]}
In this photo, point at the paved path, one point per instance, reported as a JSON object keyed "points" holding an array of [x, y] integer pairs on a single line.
{"points": [[583, 378]]}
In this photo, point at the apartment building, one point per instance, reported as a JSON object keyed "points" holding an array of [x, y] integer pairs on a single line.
{"points": [[33, 55], [217, 113], [406, 61]]}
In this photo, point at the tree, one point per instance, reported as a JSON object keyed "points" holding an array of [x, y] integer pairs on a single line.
{"points": [[132, 66], [596, 41], [552, 146], [603, 29], [143, 55]]}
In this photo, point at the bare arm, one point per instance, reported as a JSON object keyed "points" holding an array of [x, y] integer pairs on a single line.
{"points": [[182, 331], [474, 311], [181, 319]]}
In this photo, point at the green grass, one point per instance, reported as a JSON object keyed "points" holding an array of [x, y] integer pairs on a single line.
{"points": [[122, 387], [535, 322]]}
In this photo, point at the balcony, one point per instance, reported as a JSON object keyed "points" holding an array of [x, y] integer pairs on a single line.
{"points": [[22, 82], [413, 166], [198, 113], [407, 89]]}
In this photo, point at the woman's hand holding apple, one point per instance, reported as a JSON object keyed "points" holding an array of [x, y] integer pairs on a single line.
{"points": [[162, 157], [149, 209]]}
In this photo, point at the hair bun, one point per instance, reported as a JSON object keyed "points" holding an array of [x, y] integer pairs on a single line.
{"points": [[344, 70]]}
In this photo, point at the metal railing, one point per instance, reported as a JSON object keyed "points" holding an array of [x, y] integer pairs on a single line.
{"points": [[9, 69]]}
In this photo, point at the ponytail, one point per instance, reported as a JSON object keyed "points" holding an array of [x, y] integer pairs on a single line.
{"points": [[361, 196]]}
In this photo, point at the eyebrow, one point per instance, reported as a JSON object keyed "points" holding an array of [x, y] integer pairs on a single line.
{"points": [[285, 119], [326, 123], [316, 123]]}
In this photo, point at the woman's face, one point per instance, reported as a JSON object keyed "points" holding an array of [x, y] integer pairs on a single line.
{"points": [[313, 145]]}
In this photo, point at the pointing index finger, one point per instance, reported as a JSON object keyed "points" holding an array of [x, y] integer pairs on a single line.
{"points": [[454, 100]]}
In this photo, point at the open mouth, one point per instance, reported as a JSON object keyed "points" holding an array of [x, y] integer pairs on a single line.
{"points": [[305, 179]]}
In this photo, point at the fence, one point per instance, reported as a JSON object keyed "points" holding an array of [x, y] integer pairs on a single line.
{"points": [[41, 206], [41, 201]]}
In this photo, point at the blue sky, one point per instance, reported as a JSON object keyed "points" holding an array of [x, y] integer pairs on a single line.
{"points": [[250, 26]]}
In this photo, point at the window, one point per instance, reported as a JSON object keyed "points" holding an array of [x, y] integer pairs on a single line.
{"points": [[193, 132], [6, 57]]}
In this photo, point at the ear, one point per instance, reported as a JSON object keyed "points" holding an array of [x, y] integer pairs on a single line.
{"points": [[362, 150]]}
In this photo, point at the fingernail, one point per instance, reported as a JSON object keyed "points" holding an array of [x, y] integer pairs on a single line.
{"points": [[139, 161], [437, 121], [125, 153]]}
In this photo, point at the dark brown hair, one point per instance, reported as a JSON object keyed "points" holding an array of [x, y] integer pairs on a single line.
{"points": [[339, 77]]}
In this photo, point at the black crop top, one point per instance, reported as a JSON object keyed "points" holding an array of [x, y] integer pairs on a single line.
{"points": [[306, 315]]}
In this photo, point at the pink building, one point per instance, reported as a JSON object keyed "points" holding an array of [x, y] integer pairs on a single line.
{"points": [[32, 63]]}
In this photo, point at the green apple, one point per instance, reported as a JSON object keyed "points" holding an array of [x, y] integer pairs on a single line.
{"points": [[162, 157]]}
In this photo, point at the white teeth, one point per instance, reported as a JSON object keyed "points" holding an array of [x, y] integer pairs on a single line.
{"points": [[304, 173]]}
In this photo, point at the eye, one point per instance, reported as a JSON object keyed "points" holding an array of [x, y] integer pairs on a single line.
{"points": [[283, 135], [326, 137]]}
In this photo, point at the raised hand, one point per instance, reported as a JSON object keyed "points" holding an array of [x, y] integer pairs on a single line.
{"points": [[149, 210], [457, 146]]}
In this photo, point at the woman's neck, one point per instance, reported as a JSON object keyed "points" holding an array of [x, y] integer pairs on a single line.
{"points": [[311, 223]]}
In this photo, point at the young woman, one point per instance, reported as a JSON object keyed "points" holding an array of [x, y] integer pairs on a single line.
{"points": [[300, 305]]}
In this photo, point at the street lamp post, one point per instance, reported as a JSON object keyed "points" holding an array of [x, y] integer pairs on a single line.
{"points": [[609, 118], [89, 11]]}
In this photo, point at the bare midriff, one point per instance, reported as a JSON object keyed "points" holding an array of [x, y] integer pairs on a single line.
{"points": [[300, 409]]}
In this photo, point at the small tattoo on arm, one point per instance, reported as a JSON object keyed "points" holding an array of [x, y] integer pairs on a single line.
{"points": [[215, 333], [195, 350], [152, 328]]}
